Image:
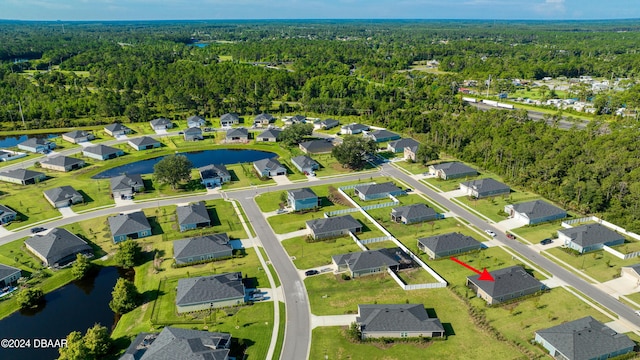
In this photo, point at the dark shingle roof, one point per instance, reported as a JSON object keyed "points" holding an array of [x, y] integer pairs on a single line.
{"points": [[201, 245], [6, 270], [413, 211], [101, 150], [230, 117], [76, 134], [453, 168], [591, 234], [304, 161], [6, 210], [382, 134], [213, 171], [448, 242], [403, 143], [584, 339], [486, 185], [34, 142], [301, 194], [63, 161], [193, 131], [507, 281], [397, 318], [193, 214], [237, 132], [368, 259], [124, 182], [270, 133], [21, 174], [61, 193], [330, 122], [160, 121], [115, 127], [298, 118], [209, 288], [57, 244], [125, 224], [355, 127], [538, 209], [143, 141], [176, 343], [267, 164], [383, 188], [264, 116], [317, 146], [333, 224], [195, 120]]}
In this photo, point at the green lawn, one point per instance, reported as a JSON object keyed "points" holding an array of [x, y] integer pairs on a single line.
{"points": [[412, 167], [313, 254], [493, 208], [600, 265], [244, 175], [536, 233]]}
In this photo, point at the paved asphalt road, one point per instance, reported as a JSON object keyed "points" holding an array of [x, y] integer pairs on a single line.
{"points": [[537, 116], [597, 295]]}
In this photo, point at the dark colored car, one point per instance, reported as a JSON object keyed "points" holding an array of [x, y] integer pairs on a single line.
{"points": [[546, 241], [511, 236], [311, 272], [38, 229]]}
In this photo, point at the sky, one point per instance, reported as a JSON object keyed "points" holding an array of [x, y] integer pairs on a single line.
{"points": [[317, 9]]}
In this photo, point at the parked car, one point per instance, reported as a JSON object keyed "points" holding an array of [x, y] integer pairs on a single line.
{"points": [[511, 236], [490, 232], [546, 241], [637, 312], [38, 229], [311, 272], [281, 211], [408, 190]]}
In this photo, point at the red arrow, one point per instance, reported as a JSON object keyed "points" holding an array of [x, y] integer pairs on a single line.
{"points": [[484, 274]]}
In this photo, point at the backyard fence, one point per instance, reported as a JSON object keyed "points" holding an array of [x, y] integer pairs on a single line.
{"points": [[620, 255]]}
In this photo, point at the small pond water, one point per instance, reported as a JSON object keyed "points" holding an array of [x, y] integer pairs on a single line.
{"points": [[9, 141], [199, 159], [74, 307]]}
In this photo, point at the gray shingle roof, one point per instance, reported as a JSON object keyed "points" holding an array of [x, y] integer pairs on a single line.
{"points": [[304, 161], [507, 281], [267, 164], [325, 225], [538, 209], [61, 193], [125, 224], [115, 127], [22, 174], [486, 185], [370, 189], [317, 146], [143, 141], [355, 127], [201, 245], [193, 131], [368, 259], [403, 143], [63, 161], [57, 244], [34, 142], [5, 210], [448, 242], [76, 134], [213, 171], [329, 123], [230, 117], [453, 168], [413, 211], [584, 339], [270, 133], [194, 213], [195, 120], [237, 132], [160, 121], [6, 270], [209, 288], [397, 318], [591, 234], [301, 194], [263, 117], [382, 134], [176, 343], [101, 150], [124, 182], [298, 118]]}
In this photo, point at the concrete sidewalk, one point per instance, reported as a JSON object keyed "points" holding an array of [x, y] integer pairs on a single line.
{"points": [[332, 320]]}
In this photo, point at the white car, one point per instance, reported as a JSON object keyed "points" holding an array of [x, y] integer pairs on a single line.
{"points": [[490, 232], [637, 312]]}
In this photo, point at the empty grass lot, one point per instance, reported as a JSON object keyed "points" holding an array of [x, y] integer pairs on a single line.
{"points": [[536, 233], [412, 167], [287, 223], [452, 184], [493, 207], [315, 254], [600, 265]]}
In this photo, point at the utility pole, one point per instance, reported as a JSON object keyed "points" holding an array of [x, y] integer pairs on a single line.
{"points": [[21, 114]]}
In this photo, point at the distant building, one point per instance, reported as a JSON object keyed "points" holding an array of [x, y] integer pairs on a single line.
{"points": [[37, 145], [535, 212], [263, 119], [193, 134], [270, 135], [102, 152], [196, 122], [161, 124], [369, 262], [144, 143], [305, 164], [397, 146], [353, 129], [7, 215], [22, 176], [229, 119], [452, 170], [62, 163], [377, 191], [414, 213], [78, 136], [316, 146], [382, 135], [237, 135], [325, 124], [116, 129], [483, 188]]}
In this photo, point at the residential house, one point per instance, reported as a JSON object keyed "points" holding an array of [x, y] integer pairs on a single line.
{"points": [[237, 135], [161, 124], [377, 191], [178, 343], [316, 146], [483, 188], [397, 321], [62, 163], [263, 119], [397, 146], [411, 152], [210, 292], [631, 272], [229, 119], [7, 215], [196, 121], [535, 212], [124, 186], [129, 226], [102, 152], [382, 135], [353, 129], [202, 248], [193, 216], [58, 247], [325, 124], [144, 143], [368, 262], [589, 237], [63, 196], [445, 245], [305, 164], [37, 145], [78, 136], [333, 227], [269, 167], [296, 119], [193, 134], [584, 339], [9, 275], [22, 176], [9, 155], [269, 135], [117, 129], [452, 170], [302, 199], [414, 213], [509, 283], [214, 175]]}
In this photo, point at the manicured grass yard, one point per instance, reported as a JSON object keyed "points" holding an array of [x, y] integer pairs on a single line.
{"points": [[412, 167], [493, 208], [452, 184], [28, 201], [314, 254], [536, 233], [244, 175], [600, 265]]}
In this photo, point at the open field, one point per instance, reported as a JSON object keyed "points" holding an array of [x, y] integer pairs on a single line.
{"points": [[600, 265], [409, 234], [536, 233], [308, 255], [493, 207]]}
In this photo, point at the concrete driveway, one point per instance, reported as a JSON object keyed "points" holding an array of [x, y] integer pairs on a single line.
{"points": [[4, 232], [509, 224], [66, 212], [281, 179], [619, 286]]}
